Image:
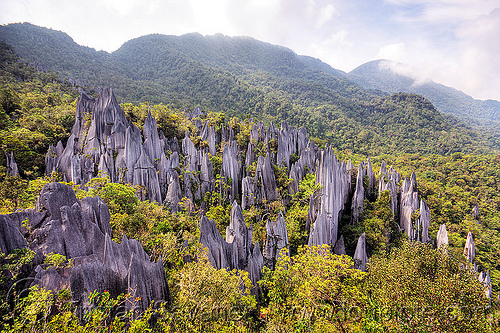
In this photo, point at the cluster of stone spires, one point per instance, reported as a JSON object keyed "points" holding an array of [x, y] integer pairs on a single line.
{"points": [[81, 231], [103, 142]]}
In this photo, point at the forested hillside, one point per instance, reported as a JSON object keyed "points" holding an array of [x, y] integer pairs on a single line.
{"points": [[382, 75], [255, 80]]}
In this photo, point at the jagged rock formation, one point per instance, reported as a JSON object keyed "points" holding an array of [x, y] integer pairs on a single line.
{"points": [[237, 232], [236, 252], [265, 180], [442, 236], [387, 182], [12, 168], [80, 230], [361, 256], [12, 230], [231, 169], [336, 182], [409, 203], [475, 211], [103, 143], [486, 280], [424, 222], [340, 246], [469, 248], [359, 196], [276, 239]]}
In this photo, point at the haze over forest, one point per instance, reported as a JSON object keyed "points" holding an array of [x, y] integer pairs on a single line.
{"points": [[182, 182]]}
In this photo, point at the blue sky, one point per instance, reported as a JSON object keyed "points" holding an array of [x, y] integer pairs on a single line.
{"points": [[454, 42]]}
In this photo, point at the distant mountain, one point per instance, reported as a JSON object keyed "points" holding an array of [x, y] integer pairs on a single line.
{"points": [[392, 77], [252, 79]]}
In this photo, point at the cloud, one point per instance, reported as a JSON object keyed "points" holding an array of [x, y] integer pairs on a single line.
{"points": [[326, 13], [456, 42], [419, 77], [394, 52]]}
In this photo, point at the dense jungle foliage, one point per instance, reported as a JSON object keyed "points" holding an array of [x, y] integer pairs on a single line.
{"points": [[408, 287]]}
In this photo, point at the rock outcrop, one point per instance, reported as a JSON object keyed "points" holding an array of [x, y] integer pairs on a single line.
{"points": [[12, 168], [361, 256], [469, 248], [442, 236], [80, 231], [236, 252], [104, 143], [425, 221], [335, 180], [276, 239]]}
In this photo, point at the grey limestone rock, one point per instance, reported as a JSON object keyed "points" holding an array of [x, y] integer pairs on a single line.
{"points": [[146, 282], [12, 168], [339, 246], [442, 236], [307, 158], [11, 237], [408, 204], [296, 174], [248, 193], [383, 169], [486, 280], [250, 155], [287, 144], [91, 277], [81, 231], [54, 196], [302, 139], [276, 239], [96, 211], [335, 182], [174, 193], [145, 175], [361, 256], [231, 169], [220, 253], [208, 134], [265, 181], [254, 268], [371, 177], [425, 220], [469, 248], [152, 145], [170, 144], [195, 113], [359, 196], [258, 132], [238, 233], [189, 150], [206, 175], [51, 160], [311, 214], [475, 211], [52, 278]]}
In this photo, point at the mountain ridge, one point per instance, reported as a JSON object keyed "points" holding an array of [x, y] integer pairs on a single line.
{"points": [[383, 75], [244, 77]]}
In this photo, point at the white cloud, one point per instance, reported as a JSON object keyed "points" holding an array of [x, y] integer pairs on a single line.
{"points": [[326, 14], [394, 52], [456, 42], [419, 77]]}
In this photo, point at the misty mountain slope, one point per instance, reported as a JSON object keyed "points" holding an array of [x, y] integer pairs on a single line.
{"points": [[392, 77], [251, 79]]}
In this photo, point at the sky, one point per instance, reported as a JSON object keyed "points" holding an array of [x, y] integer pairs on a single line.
{"points": [[453, 42]]}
